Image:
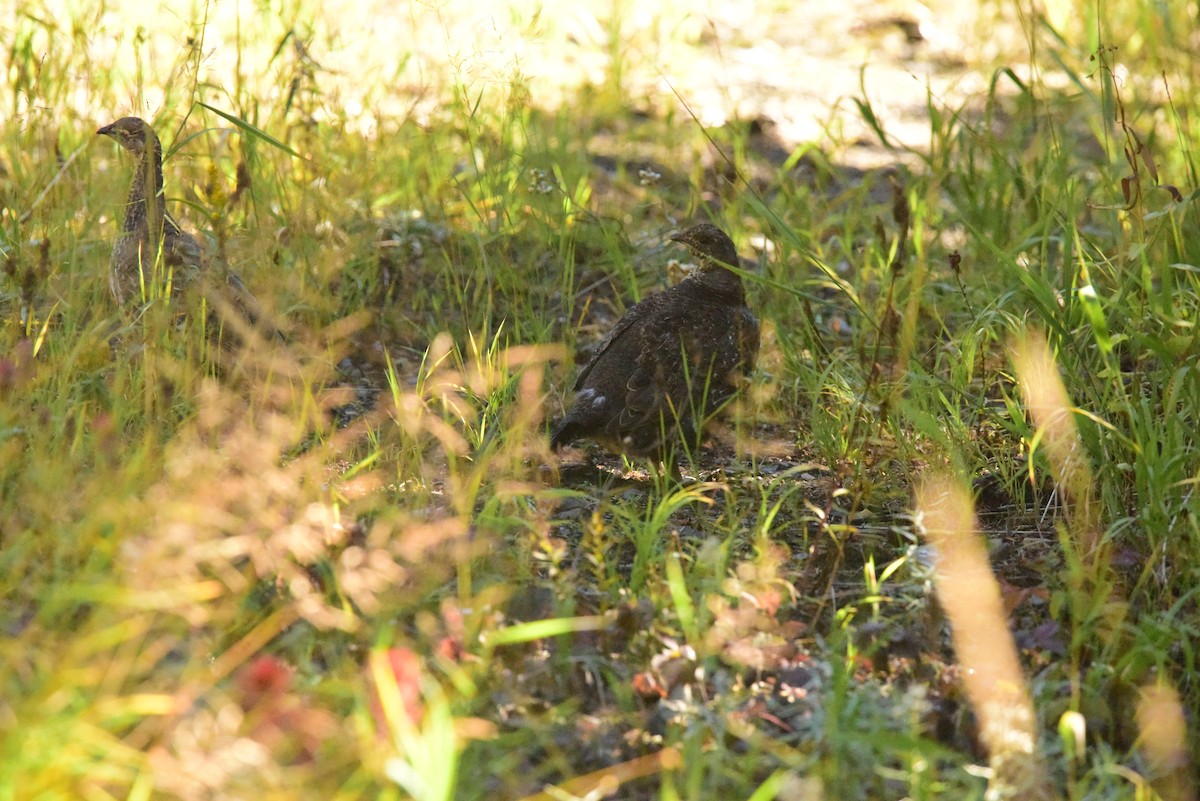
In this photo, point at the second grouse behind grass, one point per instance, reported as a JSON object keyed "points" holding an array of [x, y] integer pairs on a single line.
{"points": [[147, 226], [671, 362], [152, 243]]}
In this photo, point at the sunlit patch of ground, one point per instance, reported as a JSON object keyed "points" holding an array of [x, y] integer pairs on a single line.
{"points": [[796, 65]]}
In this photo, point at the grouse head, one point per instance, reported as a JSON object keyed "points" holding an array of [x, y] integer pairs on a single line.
{"points": [[133, 134], [717, 253]]}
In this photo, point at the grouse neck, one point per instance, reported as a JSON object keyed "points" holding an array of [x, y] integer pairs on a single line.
{"points": [[146, 192], [713, 279]]}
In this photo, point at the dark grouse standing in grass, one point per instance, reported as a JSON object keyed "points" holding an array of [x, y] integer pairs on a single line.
{"points": [[671, 362], [148, 227]]}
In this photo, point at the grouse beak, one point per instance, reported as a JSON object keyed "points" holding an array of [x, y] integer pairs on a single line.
{"points": [[107, 130], [681, 237]]}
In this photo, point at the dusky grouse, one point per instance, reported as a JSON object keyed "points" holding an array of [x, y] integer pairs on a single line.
{"points": [[149, 230], [671, 362]]}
